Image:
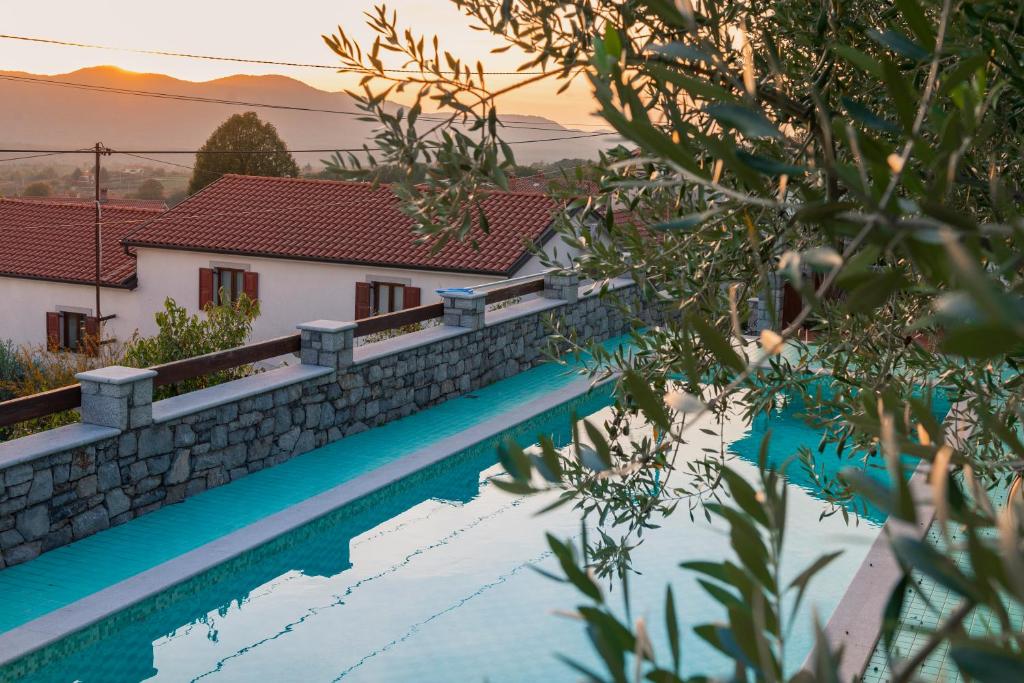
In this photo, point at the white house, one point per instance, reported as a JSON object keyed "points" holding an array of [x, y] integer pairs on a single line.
{"points": [[307, 249], [48, 267]]}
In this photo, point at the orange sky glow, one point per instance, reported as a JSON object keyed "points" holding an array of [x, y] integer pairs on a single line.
{"points": [[258, 29]]}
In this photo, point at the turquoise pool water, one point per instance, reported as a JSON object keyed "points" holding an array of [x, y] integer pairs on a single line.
{"points": [[430, 580]]}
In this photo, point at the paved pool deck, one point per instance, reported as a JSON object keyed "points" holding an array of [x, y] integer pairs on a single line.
{"points": [[76, 585]]}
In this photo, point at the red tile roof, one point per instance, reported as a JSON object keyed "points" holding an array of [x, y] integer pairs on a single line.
{"points": [[544, 184], [157, 204], [54, 241], [344, 222]]}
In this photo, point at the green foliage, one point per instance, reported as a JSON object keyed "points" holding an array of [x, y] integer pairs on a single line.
{"points": [[240, 133], [182, 335], [869, 155], [749, 592], [11, 372], [11, 369], [37, 189], [150, 188]]}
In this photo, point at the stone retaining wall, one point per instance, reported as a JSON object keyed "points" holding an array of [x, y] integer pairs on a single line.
{"points": [[134, 456]]}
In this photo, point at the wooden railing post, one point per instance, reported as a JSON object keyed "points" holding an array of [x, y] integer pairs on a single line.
{"points": [[464, 309], [327, 343], [117, 396], [564, 286]]}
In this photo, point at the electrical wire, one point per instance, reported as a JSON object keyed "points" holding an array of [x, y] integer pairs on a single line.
{"points": [[322, 150], [239, 60], [33, 156]]}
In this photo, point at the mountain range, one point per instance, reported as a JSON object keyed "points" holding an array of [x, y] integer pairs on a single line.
{"points": [[46, 112]]}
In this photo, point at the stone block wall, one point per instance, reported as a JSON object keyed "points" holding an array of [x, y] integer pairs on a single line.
{"points": [[128, 466]]}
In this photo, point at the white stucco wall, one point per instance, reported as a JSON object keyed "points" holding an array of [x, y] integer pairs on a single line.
{"points": [[291, 292], [25, 303]]}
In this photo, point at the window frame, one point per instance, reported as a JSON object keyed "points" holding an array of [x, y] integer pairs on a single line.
{"points": [[66, 318], [375, 288], [236, 288]]}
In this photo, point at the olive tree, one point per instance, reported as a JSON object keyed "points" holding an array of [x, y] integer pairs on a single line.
{"points": [[866, 154]]}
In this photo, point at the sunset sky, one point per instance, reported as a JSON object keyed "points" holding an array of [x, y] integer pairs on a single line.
{"points": [[259, 29]]}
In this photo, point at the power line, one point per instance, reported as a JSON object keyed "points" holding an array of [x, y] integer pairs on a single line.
{"points": [[320, 150], [214, 100], [31, 156], [240, 60]]}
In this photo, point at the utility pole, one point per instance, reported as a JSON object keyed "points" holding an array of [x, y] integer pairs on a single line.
{"points": [[99, 150]]}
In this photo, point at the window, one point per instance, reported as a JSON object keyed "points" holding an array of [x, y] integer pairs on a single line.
{"points": [[228, 283], [231, 282], [386, 297], [378, 297], [72, 331]]}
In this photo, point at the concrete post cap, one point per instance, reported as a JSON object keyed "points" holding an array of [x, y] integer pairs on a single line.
{"points": [[115, 374], [326, 326]]}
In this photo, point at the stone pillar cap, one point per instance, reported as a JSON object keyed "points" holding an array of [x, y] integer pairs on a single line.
{"points": [[460, 293], [115, 374], [326, 326]]}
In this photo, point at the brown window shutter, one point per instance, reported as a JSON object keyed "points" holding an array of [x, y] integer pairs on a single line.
{"points": [[205, 287], [52, 331], [362, 300], [412, 297], [91, 343], [251, 285]]}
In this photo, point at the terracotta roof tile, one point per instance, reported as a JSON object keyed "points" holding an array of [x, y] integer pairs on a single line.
{"points": [[346, 222], [541, 184], [54, 241], [126, 202]]}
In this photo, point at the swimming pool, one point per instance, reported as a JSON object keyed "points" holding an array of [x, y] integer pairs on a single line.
{"points": [[429, 579]]}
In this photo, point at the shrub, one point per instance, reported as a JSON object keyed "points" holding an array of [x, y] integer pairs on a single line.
{"points": [[182, 335]]}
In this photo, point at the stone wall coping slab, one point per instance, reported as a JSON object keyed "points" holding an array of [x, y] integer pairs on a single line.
{"points": [[594, 288], [522, 309], [115, 374], [197, 401], [326, 326], [51, 441], [406, 342]]}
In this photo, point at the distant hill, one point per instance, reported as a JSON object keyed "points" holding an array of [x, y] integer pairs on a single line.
{"points": [[38, 116]]}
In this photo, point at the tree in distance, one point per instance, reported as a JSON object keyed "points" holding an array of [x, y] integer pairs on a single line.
{"points": [[242, 133], [150, 188], [37, 189]]}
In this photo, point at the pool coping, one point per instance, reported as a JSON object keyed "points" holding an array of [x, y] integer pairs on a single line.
{"points": [[856, 622], [62, 622]]}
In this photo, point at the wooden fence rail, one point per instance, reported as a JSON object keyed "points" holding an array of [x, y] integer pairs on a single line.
{"points": [[40, 405], [70, 397]]}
